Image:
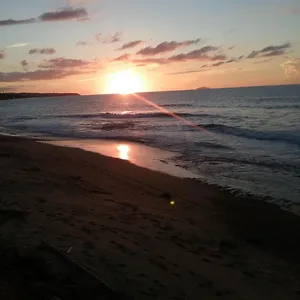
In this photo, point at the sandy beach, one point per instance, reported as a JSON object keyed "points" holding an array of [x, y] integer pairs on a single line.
{"points": [[146, 234]]}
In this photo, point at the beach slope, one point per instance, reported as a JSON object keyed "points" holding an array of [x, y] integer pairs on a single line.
{"points": [[145, 234]]}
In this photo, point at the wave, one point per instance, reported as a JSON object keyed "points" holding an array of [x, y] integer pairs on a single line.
{"points": [[280, 136], [211, 145], [54, 131], [283, 106], [274, 165], [178, 105], [130, 115], [114, 126], [22, 118]]}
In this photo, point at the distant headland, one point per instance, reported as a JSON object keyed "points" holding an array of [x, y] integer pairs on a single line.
{"points": [[203, 88], [8, 96]]}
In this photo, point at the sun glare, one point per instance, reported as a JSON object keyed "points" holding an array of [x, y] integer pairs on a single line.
{"points": [[123, 151], [125, 82]]}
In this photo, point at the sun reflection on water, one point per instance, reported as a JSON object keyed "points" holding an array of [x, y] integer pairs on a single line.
{"points": [[123, 151]]}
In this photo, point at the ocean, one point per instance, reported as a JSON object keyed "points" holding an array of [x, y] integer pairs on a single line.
{"points": [[247, 139]]}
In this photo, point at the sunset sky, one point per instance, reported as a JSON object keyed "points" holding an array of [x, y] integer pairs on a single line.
{"points": [[77, 45]]}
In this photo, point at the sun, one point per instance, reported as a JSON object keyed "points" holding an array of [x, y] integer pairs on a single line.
{"points": [[125, 82]]}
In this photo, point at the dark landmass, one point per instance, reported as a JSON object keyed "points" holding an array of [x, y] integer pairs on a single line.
{"points": [[203, 88], [8, 96]]}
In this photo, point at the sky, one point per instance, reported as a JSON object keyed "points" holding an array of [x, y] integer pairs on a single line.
{"points": [[80, 45]]}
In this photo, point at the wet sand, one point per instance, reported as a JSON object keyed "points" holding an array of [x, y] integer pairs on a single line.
{"points": [[116, 220]]}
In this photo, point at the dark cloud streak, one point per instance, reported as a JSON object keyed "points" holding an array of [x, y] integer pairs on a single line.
{"points": [[272, 50], [111, 39], [166, 47], [63, 63], [24, 63], [130, 45], [64, 14], [81, 43], [11, 22], [199, 54], [42, 51], [35, 75]]}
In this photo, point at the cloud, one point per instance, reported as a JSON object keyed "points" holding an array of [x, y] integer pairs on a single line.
{"points": [[275, 53], [24, 63], [17, 45], [199, 54], [202, 54], [151, 61], [109, 38], [52, 69], [291, 67], [35, 75], [263, 61], [64, 14], [273, 50], [218, 64], [124, 57], [130, 45], [219, 57], [114, 38], [200, 70], [10, 22], [166, 47], [81, 43], [64, 63], [42, 51]]}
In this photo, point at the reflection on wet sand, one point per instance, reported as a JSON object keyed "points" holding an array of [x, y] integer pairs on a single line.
{"points": [[139, 154], [123, 151]]}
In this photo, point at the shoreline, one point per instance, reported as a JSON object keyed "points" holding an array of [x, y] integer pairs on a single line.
{"points": [[160, 160], [121, 226], [160, 163]]}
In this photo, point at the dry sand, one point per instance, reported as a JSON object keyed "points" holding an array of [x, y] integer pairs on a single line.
{"points": [[115, 219]]}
